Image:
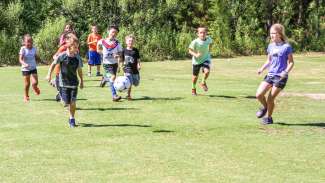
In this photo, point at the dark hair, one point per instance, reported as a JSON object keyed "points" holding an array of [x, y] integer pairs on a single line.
{"points": [[113, 27]]}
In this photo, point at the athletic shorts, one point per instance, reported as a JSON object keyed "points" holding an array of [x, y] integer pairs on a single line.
{"points": [[196, 68], [276, 81], [69, 95], [28, 73], [93, 58], [110, 68], [134, 78]]}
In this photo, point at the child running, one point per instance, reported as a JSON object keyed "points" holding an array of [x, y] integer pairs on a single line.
{"points": [[132, 65], [279, 63], [93, 56], [27, 58], [70, 66], [111, 50], [201, 58]]}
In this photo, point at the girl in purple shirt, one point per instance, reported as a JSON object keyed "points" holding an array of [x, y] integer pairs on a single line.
{"points": [[279, 63]]}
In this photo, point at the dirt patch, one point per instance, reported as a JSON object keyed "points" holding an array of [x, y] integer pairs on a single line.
{"points": [[314, 96]]}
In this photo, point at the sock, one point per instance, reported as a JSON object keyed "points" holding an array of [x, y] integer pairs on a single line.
{"points": [[193, 85]]}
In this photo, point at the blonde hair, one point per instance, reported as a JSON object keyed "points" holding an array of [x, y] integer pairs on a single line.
{"points": [[280, 29], [129, 36]]}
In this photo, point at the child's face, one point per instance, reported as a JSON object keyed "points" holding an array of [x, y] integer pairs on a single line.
{"points": [[129, 42], [112, 33], [94, 29], [202, 33], [28, 42], [68, 28], [275, 36]]}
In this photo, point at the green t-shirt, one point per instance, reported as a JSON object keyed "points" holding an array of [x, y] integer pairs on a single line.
{"points": [[203, 48]]}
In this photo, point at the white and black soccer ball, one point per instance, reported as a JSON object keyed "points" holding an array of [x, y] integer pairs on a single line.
{"points": [[122, 83]]}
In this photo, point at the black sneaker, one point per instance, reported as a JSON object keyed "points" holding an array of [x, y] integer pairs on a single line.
{"points": [[98, 74], [58, 97], [267, 121], [103, 82], [261, 112]]}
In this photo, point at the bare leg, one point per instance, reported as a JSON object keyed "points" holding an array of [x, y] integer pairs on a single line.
{"points": [[206, 73], [26, 86], [194, 80], [98, 68], [129, 92], [72, 109], [270, 100], [261, 91]]}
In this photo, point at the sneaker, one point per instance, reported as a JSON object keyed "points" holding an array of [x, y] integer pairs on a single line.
{"points": [[102, 82], [98, 74], [37, 91], [267, 121], [26, 98], [261, 112], [204, 86], [89, 74], [194, 92], [116, 98], [72, 123]]}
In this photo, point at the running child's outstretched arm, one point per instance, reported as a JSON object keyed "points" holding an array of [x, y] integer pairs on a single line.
{"points": [[265, 65], [49, 73], [22, 60]]}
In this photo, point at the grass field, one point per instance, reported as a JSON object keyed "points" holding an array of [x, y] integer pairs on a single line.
{"points": [[166, 135]]}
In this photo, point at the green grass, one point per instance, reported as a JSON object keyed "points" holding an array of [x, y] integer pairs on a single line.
{"points": [[166, 135]]}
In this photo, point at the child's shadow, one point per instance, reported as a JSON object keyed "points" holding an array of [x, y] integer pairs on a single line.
{"points": [[105, 109], [87, 125], [158, 98], [313, 124]]}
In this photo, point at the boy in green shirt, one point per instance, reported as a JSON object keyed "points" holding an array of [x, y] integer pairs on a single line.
{"points": [[201, 58]]}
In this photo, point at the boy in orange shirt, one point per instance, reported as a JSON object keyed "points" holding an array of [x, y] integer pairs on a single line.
{"points": [[93, 56]]}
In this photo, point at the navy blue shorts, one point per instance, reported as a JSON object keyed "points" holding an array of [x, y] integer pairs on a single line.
{"points": [[196, 68], [110, 68], [93, 58], [69, 95], [28, 73], [276, 81]]}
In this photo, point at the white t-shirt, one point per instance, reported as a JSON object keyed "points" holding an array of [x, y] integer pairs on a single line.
{"points": [[29, 58], [110, 48]]}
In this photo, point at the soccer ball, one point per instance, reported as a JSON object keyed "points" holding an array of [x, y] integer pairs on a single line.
{"points": [[122, 83]]}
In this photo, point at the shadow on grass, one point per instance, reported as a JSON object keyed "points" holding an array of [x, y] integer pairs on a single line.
{"points": [[250, 97], [89, 125], [313, 124], [223, 96], [105, 109], [52, 99], [158, 98], [163, 131]]}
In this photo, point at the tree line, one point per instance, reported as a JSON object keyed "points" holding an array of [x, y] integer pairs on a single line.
{"points": [[163, 28]]}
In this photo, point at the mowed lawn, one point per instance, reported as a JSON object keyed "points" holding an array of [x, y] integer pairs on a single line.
{"points": [[165, 135]]}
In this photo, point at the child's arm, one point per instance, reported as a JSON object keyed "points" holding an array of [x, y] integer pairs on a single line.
{"points": [[81, 85], [265, 65], [284, 74], [139, 64], [49, 73], [22, 60], [99, 48], [194, 53]]}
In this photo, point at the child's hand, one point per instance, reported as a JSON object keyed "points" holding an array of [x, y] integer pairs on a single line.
{"points": [[284, 75], [139, 67], [25, 65], [198, 54], [48, 78], [259, 71]]}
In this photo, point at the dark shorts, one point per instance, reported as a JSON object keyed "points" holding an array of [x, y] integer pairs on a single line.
{"points": [[93, 58], [276, 81], [28, 73], [134, 78], [110, 68], [196, 68], [69, 95]]}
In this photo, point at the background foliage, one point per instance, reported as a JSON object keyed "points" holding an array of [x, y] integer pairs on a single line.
{"points": [[164, 28]]}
